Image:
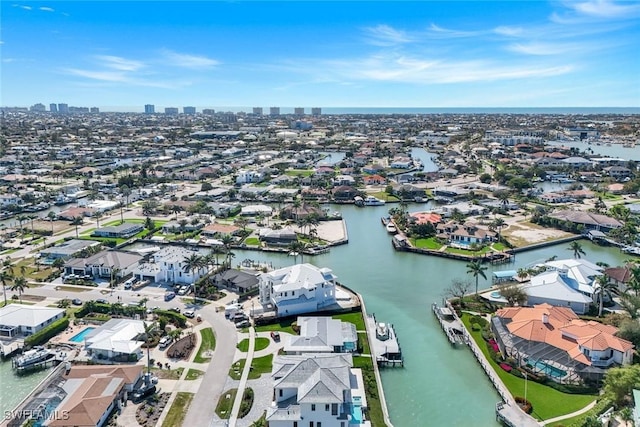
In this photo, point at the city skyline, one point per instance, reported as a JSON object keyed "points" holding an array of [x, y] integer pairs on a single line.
{"points": [[358, 54]]}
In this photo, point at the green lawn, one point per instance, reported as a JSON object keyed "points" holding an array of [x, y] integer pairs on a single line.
{"points": [[193, 374], [430, 243], [261, 344], [371, 391], [157, 222], [383, 195], [468, 252], [252, 241], [225, 404], [235, 372], [547, 402], [283, 326], [498, 246], [298, 172], [208, 343], [355, 318], [178, 410], [261, 365]]}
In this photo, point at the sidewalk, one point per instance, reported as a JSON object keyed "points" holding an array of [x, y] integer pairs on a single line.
{"points": [[243, 379]]}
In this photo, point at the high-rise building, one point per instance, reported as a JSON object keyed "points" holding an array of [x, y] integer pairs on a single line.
{"points": [[53, 107], [189, 110], [274, 111], [171, 111], [38, 107], [298, 111], [95, 110], [209, 111], [63, 108], [316, 111], [149, 109], [257, 111]]}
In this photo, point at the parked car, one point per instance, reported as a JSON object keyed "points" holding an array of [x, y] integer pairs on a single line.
{"points": [[102, 301], [76, 301], [165, 341], [144, 392], [275, 335], [190, 314], [169, 296], [176, 309], [243, 324]]}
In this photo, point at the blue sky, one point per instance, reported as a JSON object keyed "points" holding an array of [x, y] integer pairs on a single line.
{"points": [[122, 55]]}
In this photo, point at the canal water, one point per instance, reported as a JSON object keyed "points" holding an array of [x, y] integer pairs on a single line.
{"points": [[14, 388], [438, 385]]}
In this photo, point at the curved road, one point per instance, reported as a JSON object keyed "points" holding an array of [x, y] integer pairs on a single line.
{"points": [[201, 412]]}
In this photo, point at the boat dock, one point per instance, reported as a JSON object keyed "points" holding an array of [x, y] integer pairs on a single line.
{"points": [[507, 410], [384, 345], [450, 324], [37, 359]]}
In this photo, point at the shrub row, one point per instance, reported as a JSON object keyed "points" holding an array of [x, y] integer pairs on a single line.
{"points": [[47, 332], [177, 319]]}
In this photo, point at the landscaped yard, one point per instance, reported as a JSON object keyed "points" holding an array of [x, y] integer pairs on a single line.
{"points": [[261, 365], [430, 243], [225, 404], [261, 344], [354, 317], [298, 172], [375, 407], [235, 372], [252, 241], [283, 326], [208, 344], [547, 402], [193, 374], [178, 410], [468, 252]]}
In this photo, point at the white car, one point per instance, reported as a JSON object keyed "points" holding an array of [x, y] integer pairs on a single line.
{"points": [[190, 314]]}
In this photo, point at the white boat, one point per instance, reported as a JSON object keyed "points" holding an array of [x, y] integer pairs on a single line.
{"points": [[33, 356], [391, 228], [373, 201]]}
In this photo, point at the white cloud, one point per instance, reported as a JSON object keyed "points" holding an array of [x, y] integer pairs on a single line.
{"points": [[542, 49], [385, 35], [436, 30], [47, 9], [122, 77], [119, 63], [508, 31], [189, 61], [605, 9], [25, 7]]}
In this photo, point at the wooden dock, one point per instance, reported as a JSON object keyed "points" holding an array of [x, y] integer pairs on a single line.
{"points": [[385, 345], [450, 324]]}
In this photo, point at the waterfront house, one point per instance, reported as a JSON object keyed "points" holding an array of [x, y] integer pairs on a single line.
{"points": [[122, 231], [167, 265], [24, 320], [317, 390], [322, 335], [464, 235], [103, 263], [217, 230], [589, 220], [117, 339], [238, 281], [92, 392], [65, 250], [281, 237], [344, 193], [299, 289], [620, 276], [555, 342]]}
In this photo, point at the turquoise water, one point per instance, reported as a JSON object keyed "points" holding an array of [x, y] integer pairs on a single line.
{"points": [[399, 288], [550, 370], [356, 410], [14, 388], [79, 337], [496, 294]]}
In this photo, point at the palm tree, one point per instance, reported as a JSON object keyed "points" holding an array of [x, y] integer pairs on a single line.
{"points": [[97, 216], [126, 192], [498, 223], [297, 248], [242, 222], [148, 329], [475, 268], [576, 248], [121, 206], [149, 224], [52, 216], [21, 219], [31, 218], [604, 286], [77, 221], [5, 277], [183, 226], [19, 284], [193, 263], [176, 209]]}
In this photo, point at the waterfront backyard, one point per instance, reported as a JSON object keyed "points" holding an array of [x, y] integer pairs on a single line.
{"points": [[547, 402]]}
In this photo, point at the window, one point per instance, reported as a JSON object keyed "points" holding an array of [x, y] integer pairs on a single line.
{"points": [[326, 407], [280, 393], [310, 423], [313, 406], [319, 424], [295, 424], [334, 409]]}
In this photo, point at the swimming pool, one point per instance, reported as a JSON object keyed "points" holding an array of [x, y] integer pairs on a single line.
{"points": [[79, 337], [496, 294], [356, 410], [547, 369]]}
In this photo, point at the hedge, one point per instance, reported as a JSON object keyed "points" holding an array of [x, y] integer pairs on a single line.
{"points": [[48, 332], [176, 318]]}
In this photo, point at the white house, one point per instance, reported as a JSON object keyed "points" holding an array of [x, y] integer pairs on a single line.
{"points": [[317, 390], [580, 274], [117, 338], [552, 288], [168, 266], [18, 319], [322, 335], [249, 176], [299, 289]]}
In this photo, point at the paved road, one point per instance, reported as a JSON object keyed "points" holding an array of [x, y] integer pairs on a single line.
{"points": [[202, 409]]}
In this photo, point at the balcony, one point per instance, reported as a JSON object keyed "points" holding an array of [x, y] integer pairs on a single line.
{"points": [[602, 362]]}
